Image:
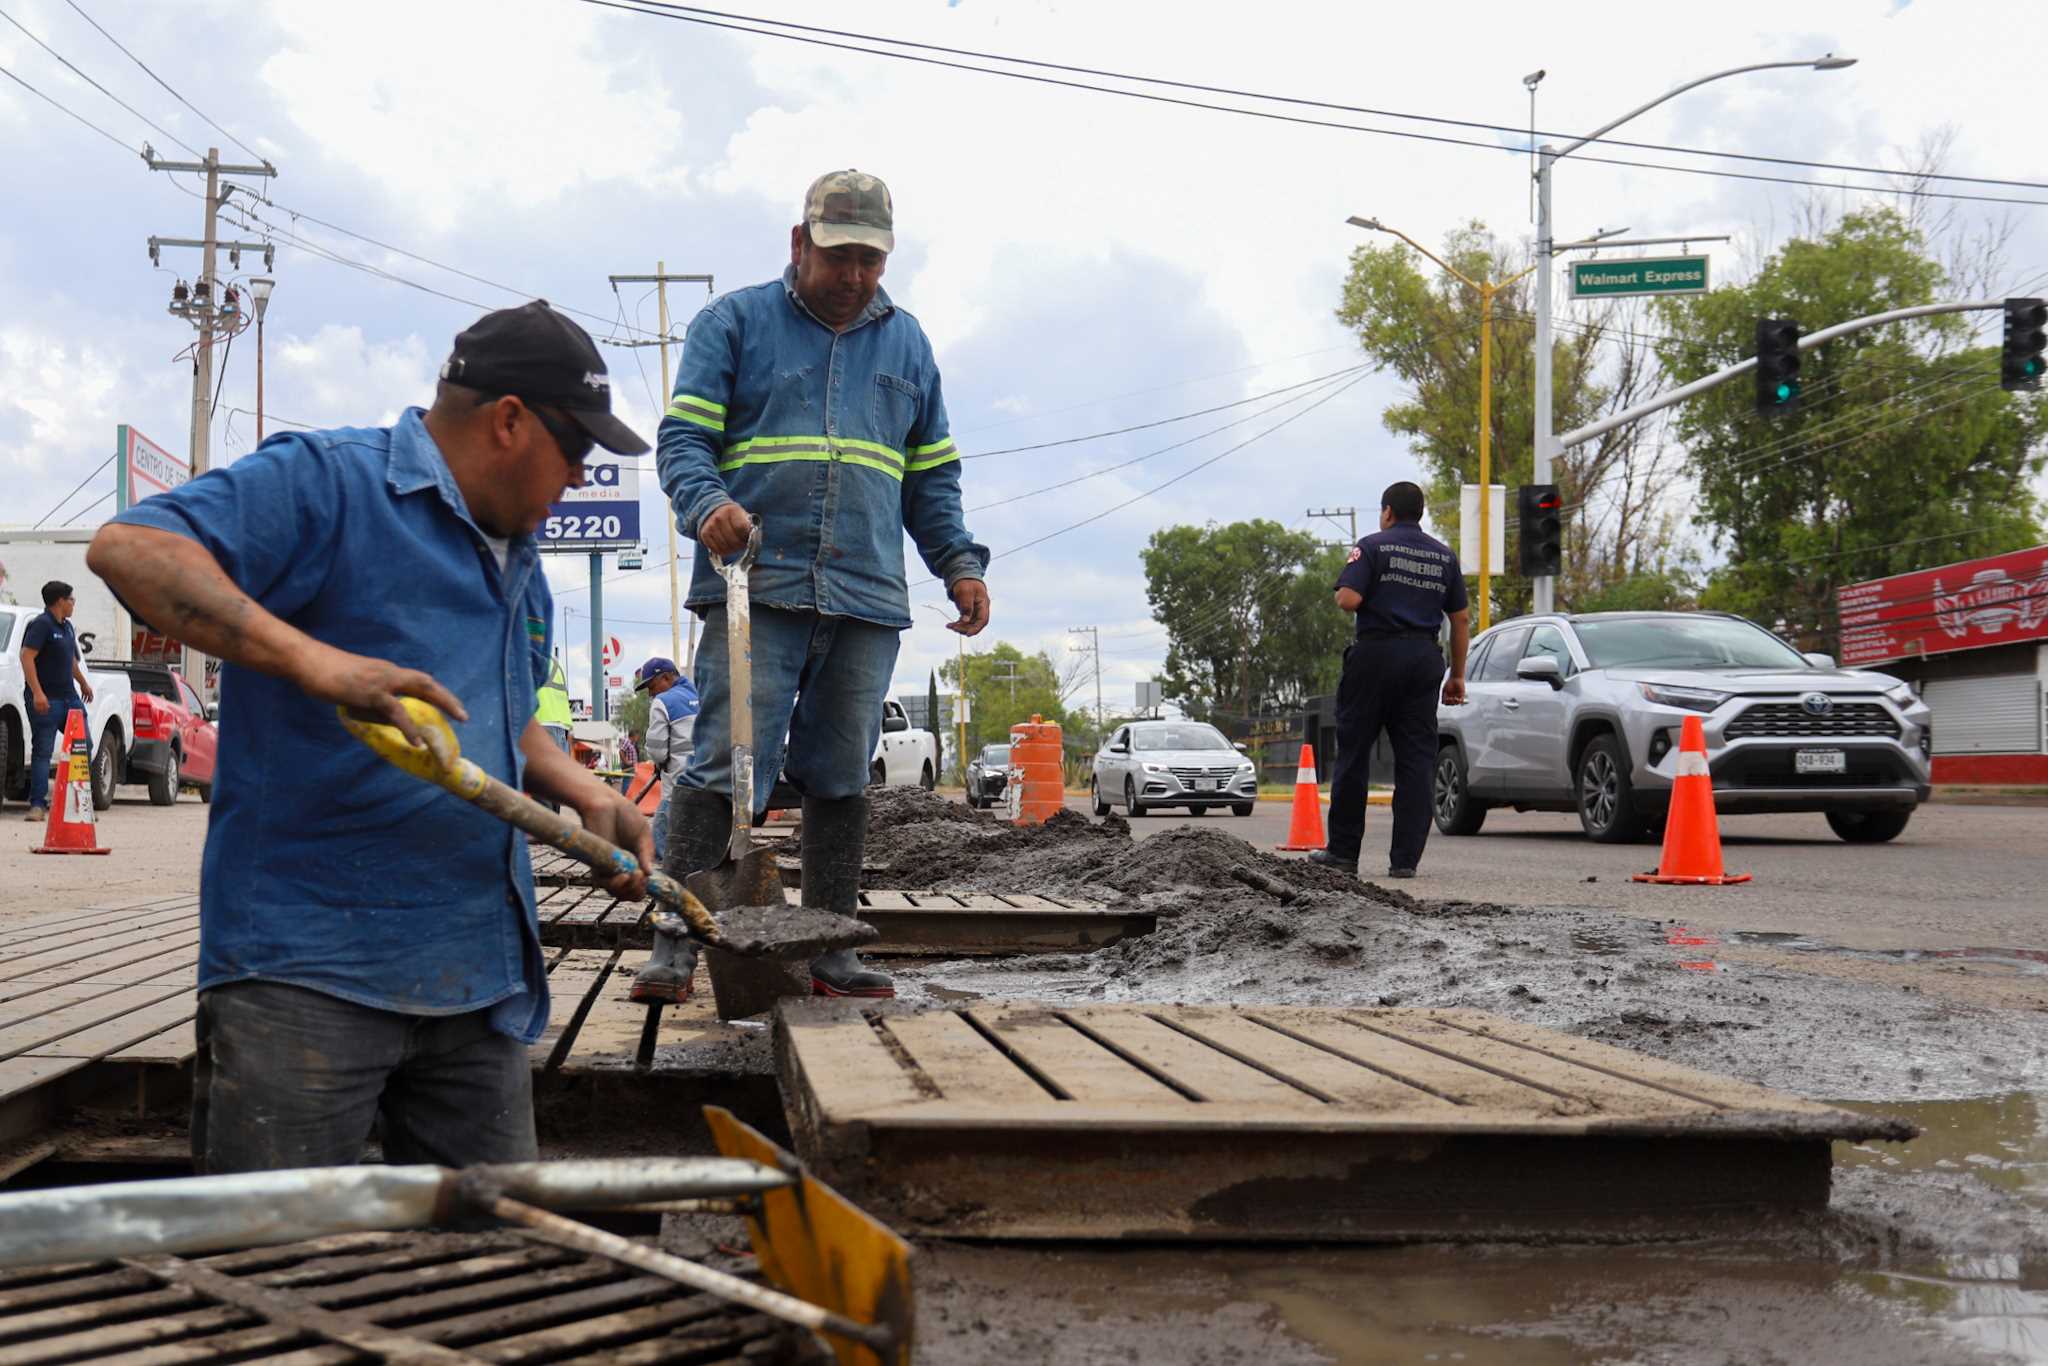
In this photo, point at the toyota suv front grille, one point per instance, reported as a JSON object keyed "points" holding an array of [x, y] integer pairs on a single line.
{"points": [[1791, 720]]}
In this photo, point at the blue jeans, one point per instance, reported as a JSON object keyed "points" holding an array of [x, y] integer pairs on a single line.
{"points": [[286, 1077], [818, 680], [45, 729]]}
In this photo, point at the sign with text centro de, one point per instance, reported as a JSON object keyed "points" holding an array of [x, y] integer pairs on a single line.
{"points": [[1996, 601], [1642, 275], [142, 468], [602, 515]]}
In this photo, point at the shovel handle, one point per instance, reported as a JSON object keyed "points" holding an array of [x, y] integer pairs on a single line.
{"points": [[440, 762]]}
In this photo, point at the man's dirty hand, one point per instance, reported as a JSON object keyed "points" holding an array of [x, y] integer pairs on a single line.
{"points": [[725, 530], [1454, 692], [608, 815], [373, 688], [971, 597]]}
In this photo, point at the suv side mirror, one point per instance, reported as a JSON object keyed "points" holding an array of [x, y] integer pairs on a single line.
{"points": [[1820, 661], [213, 711], [893, 723], [1540, 669], [1119, 749], [1241, 747]]}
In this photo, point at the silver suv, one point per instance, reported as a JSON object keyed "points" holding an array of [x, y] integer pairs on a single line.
{"points": [[1582, 713]]}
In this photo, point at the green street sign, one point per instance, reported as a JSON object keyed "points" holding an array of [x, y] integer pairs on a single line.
{"points": [[1643, 275]]}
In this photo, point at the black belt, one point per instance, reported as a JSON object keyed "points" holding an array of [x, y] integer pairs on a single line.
{"points": [[1397, 635]]}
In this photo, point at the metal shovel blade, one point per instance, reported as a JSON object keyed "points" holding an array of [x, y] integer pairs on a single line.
{"points": [[772, 942]]}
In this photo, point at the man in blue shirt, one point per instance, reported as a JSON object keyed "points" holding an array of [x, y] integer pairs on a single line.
{"points": [[1400, 583], [813, 403], [368, 942], [49, 667]]}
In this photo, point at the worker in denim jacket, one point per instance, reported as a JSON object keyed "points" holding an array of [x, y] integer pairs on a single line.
{"points": [[813, 403]]}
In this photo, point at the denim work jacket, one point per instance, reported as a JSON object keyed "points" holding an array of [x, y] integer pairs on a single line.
{"points": [[326, 867], [838, 440]]}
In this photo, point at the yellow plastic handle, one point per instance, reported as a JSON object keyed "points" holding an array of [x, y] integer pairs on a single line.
{"points": [[439, 761]]}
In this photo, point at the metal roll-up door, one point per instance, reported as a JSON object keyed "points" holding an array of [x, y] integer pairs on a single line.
{"points": [[1986, 715]]}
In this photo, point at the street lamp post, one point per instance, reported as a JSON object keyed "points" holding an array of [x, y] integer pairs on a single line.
{"points": [[1547, 158], [259, 290], [1487, 289]]}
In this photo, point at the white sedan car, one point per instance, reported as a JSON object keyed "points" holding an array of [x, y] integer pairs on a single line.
{"points": [[1149, 764]]}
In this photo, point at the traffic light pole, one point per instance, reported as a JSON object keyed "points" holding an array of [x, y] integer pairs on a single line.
{"points": [[1744, 366]]}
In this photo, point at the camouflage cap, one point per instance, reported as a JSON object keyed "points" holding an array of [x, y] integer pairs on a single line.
{"points": [[849, 208]]}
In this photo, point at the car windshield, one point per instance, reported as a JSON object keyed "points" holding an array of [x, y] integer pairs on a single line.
{"points": [[1684, 642], [1178, 737], [996, 754]]}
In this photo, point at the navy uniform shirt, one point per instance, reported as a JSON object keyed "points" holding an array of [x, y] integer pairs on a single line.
{"points": [[1409, 581], [56, 645], [326, 867]]}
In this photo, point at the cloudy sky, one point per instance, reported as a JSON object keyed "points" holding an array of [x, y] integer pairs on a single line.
{"points": [[1083, 262]]}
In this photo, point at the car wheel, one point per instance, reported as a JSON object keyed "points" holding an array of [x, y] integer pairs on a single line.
{"points": [[106, 769], [1868, 827], [1457, 813], [1131, 798], [1241, 809], [1095, 793], [1198, 810], [877, 774], [926, 780], [163, 786], [206, 794], [1606, 800]]}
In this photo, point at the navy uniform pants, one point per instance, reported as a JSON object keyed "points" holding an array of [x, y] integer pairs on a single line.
{"points": [[1390, 685]]}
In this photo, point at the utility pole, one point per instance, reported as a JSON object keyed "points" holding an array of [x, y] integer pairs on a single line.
{"points": [[1094, 634], [661, 280], [1332, 514], [208, 308]]}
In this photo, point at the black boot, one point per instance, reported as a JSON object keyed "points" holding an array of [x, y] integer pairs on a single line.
{"points": [[835, 843], [1337, 861], [699, 832]]}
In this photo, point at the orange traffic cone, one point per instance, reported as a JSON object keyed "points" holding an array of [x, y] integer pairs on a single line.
{"points": [[1305, 830], [71, 829], [1692, 836]]}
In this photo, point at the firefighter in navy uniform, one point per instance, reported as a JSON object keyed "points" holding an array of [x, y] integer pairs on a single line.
{"points": [[1400, 583]]}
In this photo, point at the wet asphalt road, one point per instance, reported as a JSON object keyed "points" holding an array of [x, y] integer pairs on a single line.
{"points": [[1959, 877]]}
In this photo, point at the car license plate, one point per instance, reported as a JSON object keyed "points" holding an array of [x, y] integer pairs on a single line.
{"points": [[1820, 761], [1215, 784]]}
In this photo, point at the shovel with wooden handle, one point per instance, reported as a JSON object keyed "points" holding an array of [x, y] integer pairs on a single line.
{"points": [[754, 931], [747, 876]]}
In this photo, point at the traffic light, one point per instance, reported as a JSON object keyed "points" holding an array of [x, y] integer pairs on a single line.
{"points": [[2021, 364], [1540, 510], [1777, 366]]}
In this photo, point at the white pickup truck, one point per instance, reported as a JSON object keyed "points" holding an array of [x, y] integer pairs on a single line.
{"points": [[106, 715], [903, 756]]}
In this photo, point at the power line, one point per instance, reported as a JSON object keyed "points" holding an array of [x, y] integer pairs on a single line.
{"points": [[167, 85], [61, 108], [75, 492], [1304, 102], [1155, 389], [97, 86], [1165, 421], [1326, 381], [657, 9]]}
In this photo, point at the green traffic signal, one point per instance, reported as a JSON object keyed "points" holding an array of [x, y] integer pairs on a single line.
{"points": [[1777, 366], [2026, 336]]}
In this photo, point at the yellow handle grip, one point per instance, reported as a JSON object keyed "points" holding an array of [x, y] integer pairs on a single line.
{"points": [[439, 761]]}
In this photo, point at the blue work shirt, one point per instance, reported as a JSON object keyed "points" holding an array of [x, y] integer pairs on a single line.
{"points": [[325, 866], [838, 440], [1407, 578], [56, 645]]}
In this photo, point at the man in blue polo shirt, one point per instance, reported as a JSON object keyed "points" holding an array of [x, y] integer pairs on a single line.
{"points": [[368, 943], [1402, 584]]}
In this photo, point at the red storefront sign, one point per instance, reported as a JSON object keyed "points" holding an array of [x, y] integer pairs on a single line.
{"points": [[1937, 611]]}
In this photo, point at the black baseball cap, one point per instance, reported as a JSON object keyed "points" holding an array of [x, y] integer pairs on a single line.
{"points": [[534, 353]]}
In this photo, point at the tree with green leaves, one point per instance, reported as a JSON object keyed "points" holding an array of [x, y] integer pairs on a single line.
{"points": [[631, 717], [1004, 686], [1424, 327], [1250, 625], [1903, 452]]}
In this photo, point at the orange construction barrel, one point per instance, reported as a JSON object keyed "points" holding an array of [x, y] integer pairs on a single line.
{"points": [[1037, 786]]}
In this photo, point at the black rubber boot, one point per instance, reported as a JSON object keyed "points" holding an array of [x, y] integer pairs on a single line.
{"points": [[699, 832], [835, 843]]}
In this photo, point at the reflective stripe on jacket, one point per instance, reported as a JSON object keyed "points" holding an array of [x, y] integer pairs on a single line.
{"points": [[551, 699], [838, 440]]}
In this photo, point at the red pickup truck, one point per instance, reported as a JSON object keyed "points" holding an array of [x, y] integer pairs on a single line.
{"points": [[171, 740]]}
